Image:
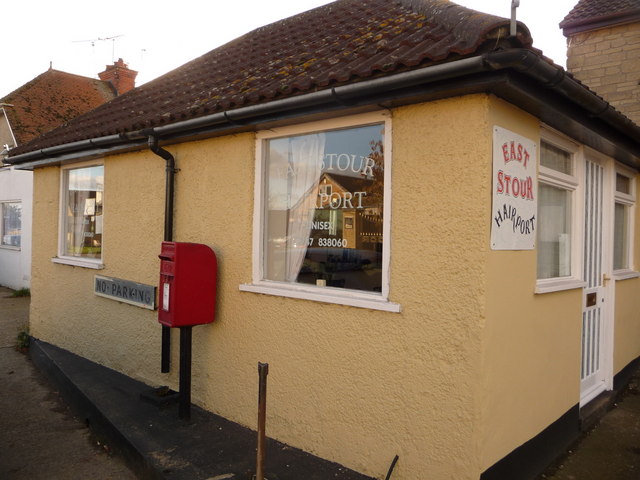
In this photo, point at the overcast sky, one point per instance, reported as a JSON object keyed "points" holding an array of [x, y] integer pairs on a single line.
{"points": [[154, 37]]}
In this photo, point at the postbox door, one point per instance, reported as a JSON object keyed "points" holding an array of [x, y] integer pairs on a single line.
{"points": [[187, 290]]}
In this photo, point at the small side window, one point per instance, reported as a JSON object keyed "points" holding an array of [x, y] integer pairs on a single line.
{"points": [[556, 198], [624, 205], [81, 215], [11, 227]]}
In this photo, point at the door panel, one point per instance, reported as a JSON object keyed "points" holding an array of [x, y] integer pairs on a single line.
{"points": [[593, 374]]}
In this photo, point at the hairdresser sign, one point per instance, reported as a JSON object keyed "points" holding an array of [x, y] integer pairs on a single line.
{"points": [[515, 194]]}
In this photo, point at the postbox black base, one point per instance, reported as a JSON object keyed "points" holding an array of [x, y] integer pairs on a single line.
{"points": [[184, 408], [165, 353]]}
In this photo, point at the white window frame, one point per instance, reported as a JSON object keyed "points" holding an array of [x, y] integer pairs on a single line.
{"points": [[572, 184], [371, 300], [2, 245], [62, 258], [629, 201]]}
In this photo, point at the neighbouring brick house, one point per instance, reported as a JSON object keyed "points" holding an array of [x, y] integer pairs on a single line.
{"points": [[486, 297], [46, 102], [604, 50]]}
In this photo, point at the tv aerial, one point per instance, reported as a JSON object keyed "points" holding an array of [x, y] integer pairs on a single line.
{"points": [[93, 42]]}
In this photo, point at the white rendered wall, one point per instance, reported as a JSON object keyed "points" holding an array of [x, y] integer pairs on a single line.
{"points": [[15, 264]]}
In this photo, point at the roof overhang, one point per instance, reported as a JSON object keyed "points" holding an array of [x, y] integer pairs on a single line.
{"points": [[601, 21], [519, 76]]}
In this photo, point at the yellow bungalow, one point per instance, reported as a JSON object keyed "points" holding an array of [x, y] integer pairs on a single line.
{"points": [[496, 293]]}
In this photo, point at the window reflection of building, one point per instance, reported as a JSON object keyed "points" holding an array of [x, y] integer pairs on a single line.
{"points": [[345, 245], [324, 221], [357, 223]]}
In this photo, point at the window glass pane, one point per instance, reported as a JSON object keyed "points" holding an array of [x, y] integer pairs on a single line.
{"points": [[554, 232], [623, 184], [83, 217], [11, 224], [324, 208], [556, 159], [620, 235]]}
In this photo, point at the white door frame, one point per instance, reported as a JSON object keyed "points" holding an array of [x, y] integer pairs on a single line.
{"points": [[604, 287]]}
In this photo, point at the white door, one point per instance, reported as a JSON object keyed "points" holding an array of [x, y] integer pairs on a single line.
{"points": [[596, 324]]}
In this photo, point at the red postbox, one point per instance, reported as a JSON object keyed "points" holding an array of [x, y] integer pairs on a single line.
{"points": [[188, 273]]}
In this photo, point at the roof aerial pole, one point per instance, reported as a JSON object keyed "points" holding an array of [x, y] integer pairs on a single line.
{"points": [[514, 5]]}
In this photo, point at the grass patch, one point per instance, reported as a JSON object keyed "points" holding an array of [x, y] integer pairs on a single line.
{"points": [[23, 292], [22, 340]]}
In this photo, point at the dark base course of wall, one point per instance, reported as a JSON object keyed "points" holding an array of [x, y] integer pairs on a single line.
{"points": [[531, 458], [155, 443]]}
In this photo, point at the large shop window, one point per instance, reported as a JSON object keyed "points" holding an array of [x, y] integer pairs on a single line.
{"points": [[81, 216], [556, 235], [624, 206], [323, 214], [11, 227]]}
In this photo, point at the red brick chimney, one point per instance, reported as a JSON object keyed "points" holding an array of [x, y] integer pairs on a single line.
{"points": [[121, 77]]}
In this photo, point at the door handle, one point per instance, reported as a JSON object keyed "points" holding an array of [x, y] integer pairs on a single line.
{"points": [[605, 279]]}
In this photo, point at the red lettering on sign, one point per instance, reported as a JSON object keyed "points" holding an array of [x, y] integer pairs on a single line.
{"points": [[514, 186], [515, 152]]}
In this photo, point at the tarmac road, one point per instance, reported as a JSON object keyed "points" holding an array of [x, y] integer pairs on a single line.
{"points": [[39, 438]]}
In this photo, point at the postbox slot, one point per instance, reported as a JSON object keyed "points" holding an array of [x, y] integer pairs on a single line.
{"points": [[168, 251]]}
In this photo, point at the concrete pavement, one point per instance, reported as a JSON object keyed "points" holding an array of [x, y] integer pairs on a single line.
{"points": [[611, 449], [39, 437]]}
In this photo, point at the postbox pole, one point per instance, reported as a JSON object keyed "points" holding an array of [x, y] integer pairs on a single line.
{"points": [[184, 409], [263, 371], [165, 350]]}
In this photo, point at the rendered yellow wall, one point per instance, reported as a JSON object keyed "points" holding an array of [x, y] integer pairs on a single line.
{"points": [[532, 347], [530, 370], [451, 384], [352, 385], [627, 307], [64, 309], [349, 384], [627, 325]]}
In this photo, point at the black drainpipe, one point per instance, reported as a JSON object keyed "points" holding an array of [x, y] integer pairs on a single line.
{"points": [[165, 362]]}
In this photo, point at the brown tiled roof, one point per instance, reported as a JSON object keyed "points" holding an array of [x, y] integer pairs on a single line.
{"points": [[51, 99], [343, 42], [595, 11]]}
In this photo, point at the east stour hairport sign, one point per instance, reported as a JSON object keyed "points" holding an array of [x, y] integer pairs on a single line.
{"points": [[515, 207], [133, 293]]}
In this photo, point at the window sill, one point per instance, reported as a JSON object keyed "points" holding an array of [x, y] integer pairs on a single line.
{"points": [[75, 262], [625, 274], [10, 247], [558, 285], [325, 296]]}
